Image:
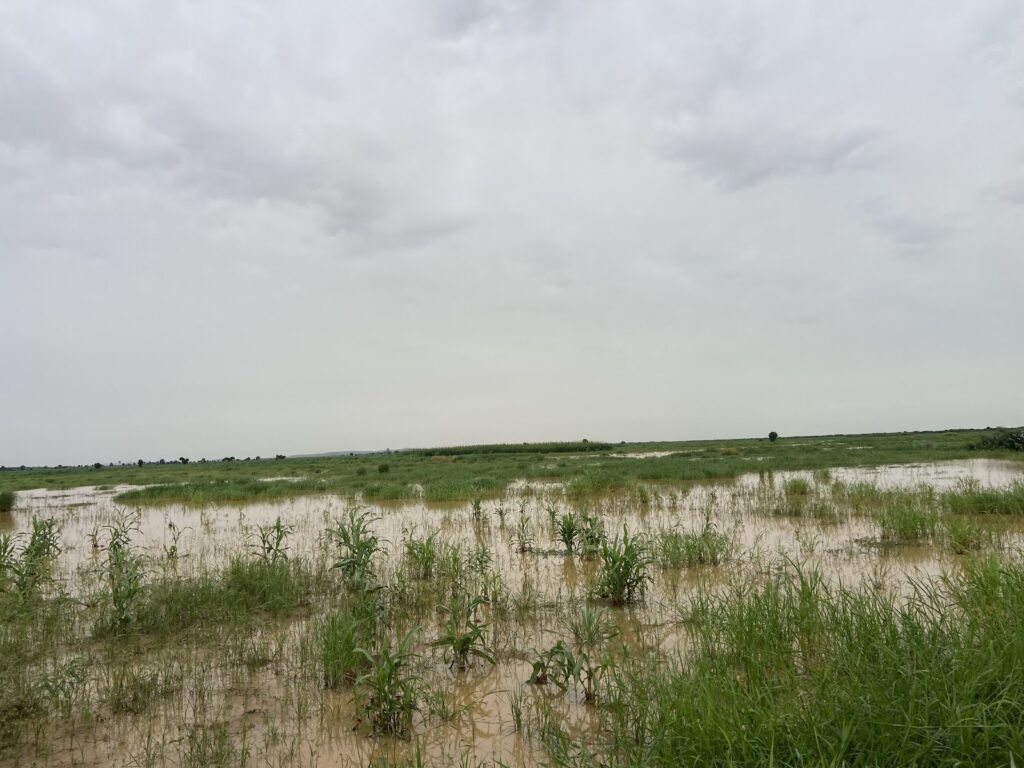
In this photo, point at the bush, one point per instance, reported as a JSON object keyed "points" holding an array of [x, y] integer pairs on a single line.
{"points": [[1002, 440], [6, 501]]}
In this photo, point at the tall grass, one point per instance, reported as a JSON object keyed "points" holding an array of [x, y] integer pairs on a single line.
{"points": [[970, 498], [686, 549], [793, 671]]}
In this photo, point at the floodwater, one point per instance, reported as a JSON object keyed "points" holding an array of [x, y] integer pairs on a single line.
{"points": [[263, 698]]}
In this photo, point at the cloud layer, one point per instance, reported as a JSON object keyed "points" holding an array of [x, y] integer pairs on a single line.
{"points": [[250, 228]]}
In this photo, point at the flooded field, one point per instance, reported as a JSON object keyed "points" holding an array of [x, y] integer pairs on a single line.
{"points": [[330, 631]]}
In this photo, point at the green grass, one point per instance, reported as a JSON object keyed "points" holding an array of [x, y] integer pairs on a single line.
{"points": [[790, 671], [340, 635], [908, 523], [686, 549], [969, 498], [469, 472], [246, 590], [219, 492]]}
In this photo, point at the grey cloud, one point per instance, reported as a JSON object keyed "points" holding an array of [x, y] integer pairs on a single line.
{"points": [[914, 230], [742, 157], [506, 220]]}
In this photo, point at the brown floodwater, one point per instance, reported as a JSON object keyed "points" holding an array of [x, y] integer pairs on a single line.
{"points": [[262, 696]]}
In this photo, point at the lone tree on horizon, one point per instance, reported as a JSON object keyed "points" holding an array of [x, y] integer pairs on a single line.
{"points": [[773, 436]]}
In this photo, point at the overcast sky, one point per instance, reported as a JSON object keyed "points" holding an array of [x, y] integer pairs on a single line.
{"points": [[249, 228]]}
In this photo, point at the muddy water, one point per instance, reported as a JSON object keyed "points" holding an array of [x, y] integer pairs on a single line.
{"points": [[270, 704]]}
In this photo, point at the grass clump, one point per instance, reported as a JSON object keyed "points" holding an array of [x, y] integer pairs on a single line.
{"points": [[168, 606], [963, 535], [340, 635], [797, 486], [7, 499], [907, 523], [686, 549], [970, 498], [219, 492]]}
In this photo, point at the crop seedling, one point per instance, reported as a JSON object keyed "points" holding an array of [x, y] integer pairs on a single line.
{"points": [[341, 635], [389, 693], [271, 546], [421, 555], [172, 550], [463, 637], [591, 536], [357, 544], [624, 576], [522, 537], [563, 667], [568, 531], [124, 573]]}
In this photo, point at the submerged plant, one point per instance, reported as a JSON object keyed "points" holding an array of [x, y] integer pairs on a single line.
{"points": [[564, 667], [124, 573], [624, 576], [522, 537], [389, 693], [568, 531], [591, 536], [591, 628], [463, 636], [357, 545], [271, 546], [341, 635], [421, 555]]}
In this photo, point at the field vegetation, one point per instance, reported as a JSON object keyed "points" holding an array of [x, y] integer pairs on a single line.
{"points": [[744, 603]]}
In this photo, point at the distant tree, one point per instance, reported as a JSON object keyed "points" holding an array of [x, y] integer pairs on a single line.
{"points": [[162, 461], [773, 436], [97, 465], [141, 462], [280, 456], [183, 460]]}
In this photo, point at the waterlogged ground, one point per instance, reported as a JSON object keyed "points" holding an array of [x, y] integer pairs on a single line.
{"points": [[252, 692]]}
